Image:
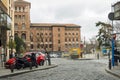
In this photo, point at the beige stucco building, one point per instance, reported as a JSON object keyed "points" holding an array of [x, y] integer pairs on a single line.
{"points": [[6, 26]]}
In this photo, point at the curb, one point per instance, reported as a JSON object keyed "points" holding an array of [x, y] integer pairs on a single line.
{"points": [[26, 71], [113, 73], [85, 59]]}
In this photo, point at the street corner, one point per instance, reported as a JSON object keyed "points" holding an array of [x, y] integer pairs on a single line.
{"points": [[112, 72]]}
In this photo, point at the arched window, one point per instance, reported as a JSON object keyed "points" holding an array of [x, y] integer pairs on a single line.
{"points": [[23, 36], [16, 34]]}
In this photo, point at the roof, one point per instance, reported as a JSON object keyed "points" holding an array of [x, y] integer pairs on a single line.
{"points": [[53, 24], [21, 1], [117, 3]]}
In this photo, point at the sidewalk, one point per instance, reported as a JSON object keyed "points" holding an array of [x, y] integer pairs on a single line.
{"points": [[6, 72], [114, 71]]}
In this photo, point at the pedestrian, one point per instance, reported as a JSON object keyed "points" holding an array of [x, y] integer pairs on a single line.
{"points": [[48, 58], [33, 60], [97, 55]]}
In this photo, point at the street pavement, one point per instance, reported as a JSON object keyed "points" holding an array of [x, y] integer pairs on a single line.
{"points": [[89, 64], [69, 70], [104, 59], [7, 72]]}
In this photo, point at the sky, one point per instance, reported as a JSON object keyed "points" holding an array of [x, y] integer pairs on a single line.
{"points": [[81, 12]]}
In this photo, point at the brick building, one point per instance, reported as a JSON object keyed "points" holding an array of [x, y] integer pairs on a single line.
{"points": [[41, 36], [22, 20], [54, 37]]}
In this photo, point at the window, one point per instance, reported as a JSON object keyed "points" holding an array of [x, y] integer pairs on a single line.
{"points": [[59, 48], [76, 39], [58, 35], [31, 46], [19, 16], [73, 39], [59, 41], [69, 39], [58, 29], [23, 9], [50, 39], [50, 46], [37, 34], [19, 9], [16, 26], [23, 17], [23, 25], [65, 33], [15, 16], [23, 36], [38, 45], [45, 33], [46, 39], [65, 39], [15, 8], [76, 33], [50, 33]]}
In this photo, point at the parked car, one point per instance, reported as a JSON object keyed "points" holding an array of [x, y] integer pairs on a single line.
{"points": [[25, 60], [53, 55], [17, 62], [40, 57]]}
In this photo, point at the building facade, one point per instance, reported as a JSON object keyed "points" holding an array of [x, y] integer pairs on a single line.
{"points": [[6, 26], [54, 37], [22, 20]]}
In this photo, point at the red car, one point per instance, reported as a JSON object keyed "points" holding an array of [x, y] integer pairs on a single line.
{"points": [[19, 62], [10, 62], [40, 57]]}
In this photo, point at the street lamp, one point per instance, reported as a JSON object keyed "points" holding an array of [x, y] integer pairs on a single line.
{"points": [[11, 46]]}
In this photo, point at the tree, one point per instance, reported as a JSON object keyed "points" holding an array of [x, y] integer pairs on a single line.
{"points": [[104, 34], [20, 45]]}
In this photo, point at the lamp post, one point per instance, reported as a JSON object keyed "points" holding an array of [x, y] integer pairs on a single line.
{"points": [[11, 46]]}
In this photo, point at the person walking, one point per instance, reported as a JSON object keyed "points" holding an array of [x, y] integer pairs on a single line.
{"points": [[33, 60], [48, 58], [97, 55]]}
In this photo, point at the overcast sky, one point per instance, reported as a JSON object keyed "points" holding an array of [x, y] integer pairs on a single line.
{"points": [[81, 12]]}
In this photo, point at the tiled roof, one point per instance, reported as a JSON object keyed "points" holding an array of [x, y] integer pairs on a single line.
{"points": [[54, 24]]}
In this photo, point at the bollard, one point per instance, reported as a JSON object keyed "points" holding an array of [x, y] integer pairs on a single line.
{"points": [[12, 68], [30, 65], [110, 64]]}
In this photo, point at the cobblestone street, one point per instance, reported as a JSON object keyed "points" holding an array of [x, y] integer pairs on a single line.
{"points": [[69, 70]]}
